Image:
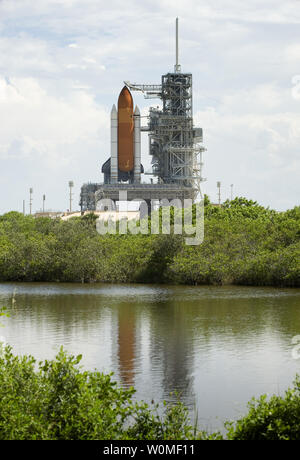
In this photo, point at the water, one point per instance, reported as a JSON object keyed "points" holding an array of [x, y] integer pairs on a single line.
{"points": [[216, 346]]}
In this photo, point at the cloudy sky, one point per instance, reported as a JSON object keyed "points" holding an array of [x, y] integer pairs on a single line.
{"points": [[63, 63]]}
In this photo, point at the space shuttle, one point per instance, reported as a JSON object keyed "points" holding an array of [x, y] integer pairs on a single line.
{"points": [[124, 164]]}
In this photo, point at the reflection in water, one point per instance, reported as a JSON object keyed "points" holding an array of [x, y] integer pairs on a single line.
{"points": [[172, 349], [169, 347], [216, 346], [126, 342]]}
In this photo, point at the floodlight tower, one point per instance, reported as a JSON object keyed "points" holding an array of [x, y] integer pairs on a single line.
{"points": [[30, 200], [219, 192], [71, 185]]}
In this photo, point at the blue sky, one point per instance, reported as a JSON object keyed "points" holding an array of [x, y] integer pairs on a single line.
{"points": [[63, 63]]}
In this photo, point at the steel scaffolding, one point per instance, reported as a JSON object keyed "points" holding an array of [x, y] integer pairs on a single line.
{"points": [[174, 143]]}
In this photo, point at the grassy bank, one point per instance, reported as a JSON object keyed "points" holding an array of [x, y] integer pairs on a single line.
{"points": [[56, 399], [244, 243]]}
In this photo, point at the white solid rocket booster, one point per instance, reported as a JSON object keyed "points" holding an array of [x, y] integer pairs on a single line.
{"points": [[137, 146], [114, 145]]}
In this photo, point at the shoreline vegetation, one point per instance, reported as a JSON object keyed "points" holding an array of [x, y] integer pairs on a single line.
{"points": [[57, 400], [244, 244]]}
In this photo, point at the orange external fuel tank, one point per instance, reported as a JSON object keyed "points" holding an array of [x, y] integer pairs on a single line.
{"points": [[125, 131]]}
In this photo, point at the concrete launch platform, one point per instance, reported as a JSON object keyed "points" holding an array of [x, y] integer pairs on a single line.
{"points": [[145, 192]]}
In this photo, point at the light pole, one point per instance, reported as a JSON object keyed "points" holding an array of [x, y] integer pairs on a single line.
{"points": [[71, 185], [231, 186], [219, 192], [30, 200]]}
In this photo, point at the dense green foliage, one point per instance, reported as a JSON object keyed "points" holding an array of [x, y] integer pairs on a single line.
{"points": [[273, 420], [56, 399], [244, 243]]}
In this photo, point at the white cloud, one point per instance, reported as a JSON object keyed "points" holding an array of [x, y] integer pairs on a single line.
{"points": [[76, 66], [253, 146], [47, 128]]}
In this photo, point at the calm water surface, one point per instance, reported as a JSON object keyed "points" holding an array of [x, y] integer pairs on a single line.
{"points": [[217, 346]]}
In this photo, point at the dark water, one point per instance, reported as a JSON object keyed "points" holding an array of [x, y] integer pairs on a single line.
{"points": [[217, 346]]}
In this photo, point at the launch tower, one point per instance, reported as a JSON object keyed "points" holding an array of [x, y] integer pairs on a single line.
{"points": [[175, 145]]}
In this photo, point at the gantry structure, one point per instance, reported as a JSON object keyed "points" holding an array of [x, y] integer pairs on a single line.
{"points": [[175, 145], [174, 142]]}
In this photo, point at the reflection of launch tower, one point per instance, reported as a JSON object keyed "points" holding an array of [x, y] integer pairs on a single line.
{"points": [[174, 144], [166, 344], [126, 342]]}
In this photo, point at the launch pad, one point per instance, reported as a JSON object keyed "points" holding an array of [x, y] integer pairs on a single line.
{"points": [[175, 145], [94, 193]]}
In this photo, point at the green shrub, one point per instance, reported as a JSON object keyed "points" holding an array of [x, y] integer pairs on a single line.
{"points": [[272, 420], [244, 243], [58, 400]]}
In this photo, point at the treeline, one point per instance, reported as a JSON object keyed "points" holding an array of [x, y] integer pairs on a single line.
{"points": [[57, 400], [244, 243]]}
